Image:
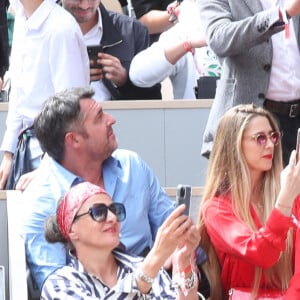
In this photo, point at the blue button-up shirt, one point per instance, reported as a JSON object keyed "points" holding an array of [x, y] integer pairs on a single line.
{"points": [[127, 179]]}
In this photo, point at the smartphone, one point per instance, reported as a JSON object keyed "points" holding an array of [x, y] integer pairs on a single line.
{"points": [[297, 145], [183, 195], [93, 54]]}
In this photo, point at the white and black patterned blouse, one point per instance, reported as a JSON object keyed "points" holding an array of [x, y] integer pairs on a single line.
{"points": [[73, 282]]}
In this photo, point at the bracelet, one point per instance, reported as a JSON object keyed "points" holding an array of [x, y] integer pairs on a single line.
{"points": [[189, 283], [140, 274], [188, 47], [186, 284]]}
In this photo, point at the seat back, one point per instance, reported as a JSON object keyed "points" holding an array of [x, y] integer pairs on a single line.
{"points": [[16, 248]]}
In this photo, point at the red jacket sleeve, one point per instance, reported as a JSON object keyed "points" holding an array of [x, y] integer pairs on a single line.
{"points": [[230, 235]]}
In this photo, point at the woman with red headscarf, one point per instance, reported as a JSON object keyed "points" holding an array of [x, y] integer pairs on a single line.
{"points": [[89, 223]]}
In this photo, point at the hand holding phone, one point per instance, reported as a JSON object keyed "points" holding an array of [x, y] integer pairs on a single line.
{"points": [[93, 51], [297, 145], [183, 196]]}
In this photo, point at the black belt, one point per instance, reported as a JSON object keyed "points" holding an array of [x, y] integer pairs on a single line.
{"points": [[290, 109]]}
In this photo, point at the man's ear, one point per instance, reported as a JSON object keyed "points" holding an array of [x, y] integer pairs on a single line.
{"points": [[72, 139]]}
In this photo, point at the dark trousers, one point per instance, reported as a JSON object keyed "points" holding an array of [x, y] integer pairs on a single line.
{"points": [[4, 49], [289, 127]]}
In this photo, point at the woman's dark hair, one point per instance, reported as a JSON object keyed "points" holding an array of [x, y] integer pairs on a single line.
{"points": [[59, 113], [52, 232]]}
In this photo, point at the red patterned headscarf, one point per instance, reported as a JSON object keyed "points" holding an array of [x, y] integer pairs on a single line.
{"points": [[71, 203]]}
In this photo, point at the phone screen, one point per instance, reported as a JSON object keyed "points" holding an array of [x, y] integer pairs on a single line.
{"points": [[93, 54]]}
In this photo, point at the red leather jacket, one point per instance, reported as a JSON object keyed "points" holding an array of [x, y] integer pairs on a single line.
{"points": [[238, 248]]}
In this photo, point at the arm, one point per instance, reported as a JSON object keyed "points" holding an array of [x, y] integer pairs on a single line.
{"points": [[153, 14], [156, 21], [174, 52], [150, 66], [292, 7], [232, 27], [162, 58], [229, 235], [5, 168], [290, 186], [177, 232]]}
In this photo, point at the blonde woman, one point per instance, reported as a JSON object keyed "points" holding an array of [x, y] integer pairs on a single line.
{"points": [[246, 213]]}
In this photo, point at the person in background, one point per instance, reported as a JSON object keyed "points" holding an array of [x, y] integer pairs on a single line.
{"points": [[245, 218], [121, 37], [157, 15], [89, 223], [173, 55], [46, 43], [258, 45]]}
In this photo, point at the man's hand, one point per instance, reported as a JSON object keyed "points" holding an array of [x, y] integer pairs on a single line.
{"points": [[25, 179], [111, 69], [5, 168]]}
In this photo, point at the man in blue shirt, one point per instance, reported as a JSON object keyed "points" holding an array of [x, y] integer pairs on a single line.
{"points": [[78, 138]]}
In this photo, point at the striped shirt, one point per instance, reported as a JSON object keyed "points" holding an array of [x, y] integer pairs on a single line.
{"points": [[74, 282]]}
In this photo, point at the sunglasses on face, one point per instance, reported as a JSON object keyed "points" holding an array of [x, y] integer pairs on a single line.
{"points": [[261, 138], [99, 211]]}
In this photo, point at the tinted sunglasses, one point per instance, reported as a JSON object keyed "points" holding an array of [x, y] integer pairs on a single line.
{"points": [[99, 211], [261, 138]]}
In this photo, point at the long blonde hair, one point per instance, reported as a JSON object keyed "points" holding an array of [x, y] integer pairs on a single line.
{"points": [[229, 172]]}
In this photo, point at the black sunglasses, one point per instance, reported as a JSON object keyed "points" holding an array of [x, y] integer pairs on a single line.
{"points": [[99, 211], [261, 138]]}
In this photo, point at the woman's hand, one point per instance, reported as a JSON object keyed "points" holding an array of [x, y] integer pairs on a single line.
{"points": [[171, 234], [290, 185]]}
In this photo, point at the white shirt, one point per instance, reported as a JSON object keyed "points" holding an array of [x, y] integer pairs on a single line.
{"points": [[285, 72], [48, 56], [94, 37]]}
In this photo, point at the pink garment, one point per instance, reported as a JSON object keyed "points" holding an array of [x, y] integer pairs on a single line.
{"points": [[238, 248], [71, 203]]}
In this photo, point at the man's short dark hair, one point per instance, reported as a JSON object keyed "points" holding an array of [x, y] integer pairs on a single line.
{"points": [[59, 114]]}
